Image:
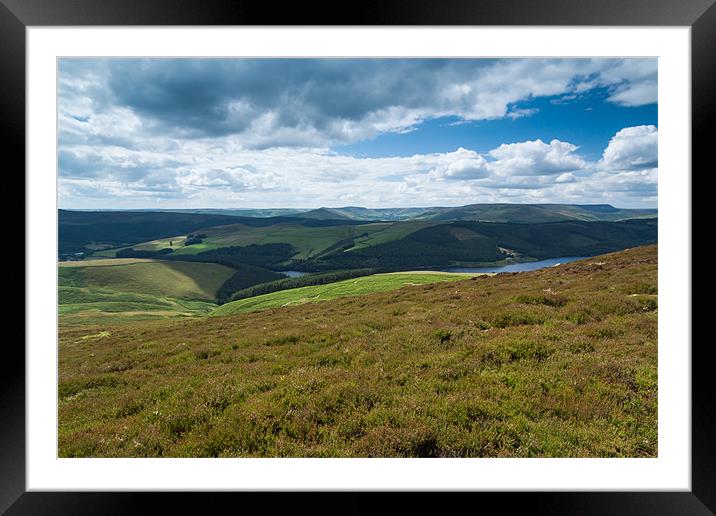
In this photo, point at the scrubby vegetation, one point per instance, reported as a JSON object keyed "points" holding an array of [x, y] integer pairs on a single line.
{"points": [[560, 362]]}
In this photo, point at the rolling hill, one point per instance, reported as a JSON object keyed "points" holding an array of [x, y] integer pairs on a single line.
{"points": [[87, 231], [534, 213], [372, 214], [410, 244], [119, 289], [522, 213], [475, 243], [345, 288], [80, 231], [560, 362]]}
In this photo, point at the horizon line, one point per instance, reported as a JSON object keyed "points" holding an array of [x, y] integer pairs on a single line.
{"points": [[272, 207]]}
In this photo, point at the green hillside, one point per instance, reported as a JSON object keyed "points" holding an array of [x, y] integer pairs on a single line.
{"points": [[308, 241], [181, 280], [476, 243], [123, 289], [81, 231], [412, 244], [103, 231], [317, 293], [560, 362]]}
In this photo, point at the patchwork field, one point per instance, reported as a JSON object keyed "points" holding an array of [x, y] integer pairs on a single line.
{"points": [[560, 362], [308, 241]]}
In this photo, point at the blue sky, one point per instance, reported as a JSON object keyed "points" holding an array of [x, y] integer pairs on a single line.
{"points": [[588, 120], [242, 133]]}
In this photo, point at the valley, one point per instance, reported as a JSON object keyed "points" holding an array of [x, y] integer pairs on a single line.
{"points": [[559, 362], [317, 337]]}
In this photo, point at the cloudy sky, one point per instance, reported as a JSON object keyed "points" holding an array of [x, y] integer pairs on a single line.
{"points": [[304, 133]]}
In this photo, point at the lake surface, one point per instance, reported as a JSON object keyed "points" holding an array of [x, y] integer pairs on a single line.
{"points": [[512, 267], [293, 274], [516, 267]]}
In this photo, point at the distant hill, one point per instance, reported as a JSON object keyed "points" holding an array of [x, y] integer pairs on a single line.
{"points": [[501, 212], [78, 229], [350, 232], [532, 213], [84, 231], [372, 214], [235, 212], [324, 214]]}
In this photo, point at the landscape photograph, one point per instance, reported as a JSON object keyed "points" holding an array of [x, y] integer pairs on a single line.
{"points": [[357, 257]]}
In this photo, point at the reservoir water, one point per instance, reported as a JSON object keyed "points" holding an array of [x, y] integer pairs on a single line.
{"points": [[293, 274], [517, 267], [512, 267]]}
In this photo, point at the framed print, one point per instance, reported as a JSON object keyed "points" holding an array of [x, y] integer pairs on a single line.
{"points": [[412, 250]]}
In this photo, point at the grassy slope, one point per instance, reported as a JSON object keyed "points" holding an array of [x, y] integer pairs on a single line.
{"points": [[183, 280], [551, 363], [389, 232], [308, 241], [382, 244], [125, 290], [103, 262], [318, 293]]}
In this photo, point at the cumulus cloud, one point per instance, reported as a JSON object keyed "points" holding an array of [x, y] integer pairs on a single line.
{"points": [[632, 148], [461, 165], [259, 132], [219, 173], [632, 82], [235, 179], [536, 158]]}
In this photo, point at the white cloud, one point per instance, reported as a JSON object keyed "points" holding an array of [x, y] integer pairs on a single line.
{"points": [[536, 158], [462, 164], [567, 177], [319, 102], [219, 172], [226, 133], [632, 148], [234, 179]]}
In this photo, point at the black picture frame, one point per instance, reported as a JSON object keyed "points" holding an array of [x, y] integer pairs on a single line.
{"points": [[17, 15]]}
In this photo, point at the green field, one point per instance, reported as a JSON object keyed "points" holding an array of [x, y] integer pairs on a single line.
{"points": [[309, 242], [130, 289], [388, 232], [182, 280], [350, 287]]}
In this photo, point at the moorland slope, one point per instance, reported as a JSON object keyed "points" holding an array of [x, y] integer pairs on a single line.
{"points": [[560, 362]]}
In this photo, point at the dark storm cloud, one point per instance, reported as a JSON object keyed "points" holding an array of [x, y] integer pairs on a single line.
{"points": [[320, 102], [223, 96]]}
